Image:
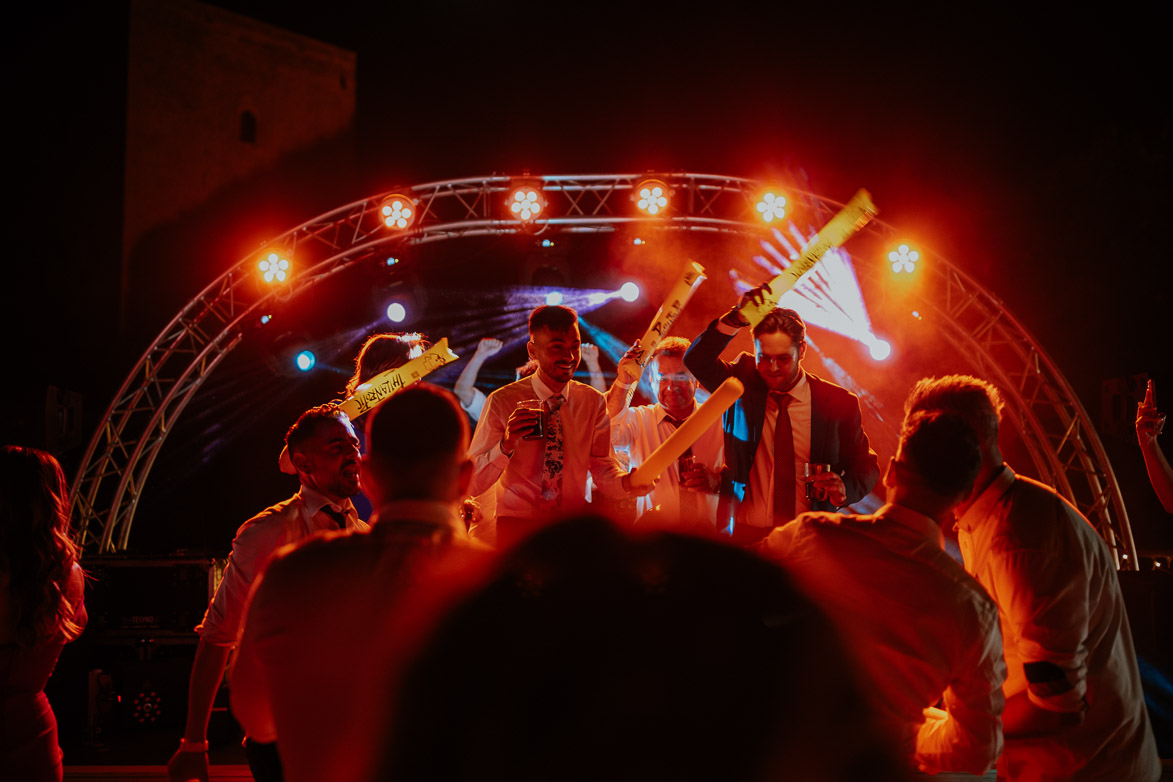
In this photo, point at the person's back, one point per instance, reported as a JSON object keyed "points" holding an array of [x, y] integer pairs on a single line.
{"points": [[921, 628], [319, 627], [917, 623], [320, 608], [41, 608], [1072, 576]]}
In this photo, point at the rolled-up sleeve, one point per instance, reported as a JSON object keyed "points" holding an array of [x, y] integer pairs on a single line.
{"points": [[1047, 604]]}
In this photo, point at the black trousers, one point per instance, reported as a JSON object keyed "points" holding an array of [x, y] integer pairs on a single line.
{"points": [[263, 761]]}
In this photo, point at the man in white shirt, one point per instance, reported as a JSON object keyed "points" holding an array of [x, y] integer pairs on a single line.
{"points": [[688, 496], [319, 630], [540, 437], [324, 451], [923, 630], [1074, 705]]}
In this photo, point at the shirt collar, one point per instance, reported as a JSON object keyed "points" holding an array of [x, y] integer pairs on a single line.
{"points": [[916, 521], [661, 413], [986, 501], [314, 500], [543, 391], [439, 514], [802, 389]]}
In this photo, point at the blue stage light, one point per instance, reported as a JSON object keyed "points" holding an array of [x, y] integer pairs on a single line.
{"points": [[305, 360]]}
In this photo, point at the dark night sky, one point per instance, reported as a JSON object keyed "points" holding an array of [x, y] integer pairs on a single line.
{"points": [[1030, 148]]}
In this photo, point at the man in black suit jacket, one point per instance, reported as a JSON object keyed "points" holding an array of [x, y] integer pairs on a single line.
{"points": [[823, 419]]}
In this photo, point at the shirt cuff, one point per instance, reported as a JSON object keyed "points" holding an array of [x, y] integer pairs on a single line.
{"points": [[726, 329]]}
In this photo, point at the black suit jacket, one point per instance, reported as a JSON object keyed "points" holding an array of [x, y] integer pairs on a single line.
{"points": [[837, 436]]}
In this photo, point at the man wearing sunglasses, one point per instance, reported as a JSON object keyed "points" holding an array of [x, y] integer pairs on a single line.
{"points": [[787, 422]]}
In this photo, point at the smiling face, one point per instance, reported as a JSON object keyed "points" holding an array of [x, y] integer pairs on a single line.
{"points": [[329, 460], [557, 352], [779, 360], [675, 385]]}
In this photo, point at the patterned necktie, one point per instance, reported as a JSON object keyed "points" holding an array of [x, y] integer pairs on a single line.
{"points": [[785, 481], [553, 463], [338, 516]]}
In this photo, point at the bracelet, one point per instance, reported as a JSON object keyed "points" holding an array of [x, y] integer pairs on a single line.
{"points": [[193, 746]]}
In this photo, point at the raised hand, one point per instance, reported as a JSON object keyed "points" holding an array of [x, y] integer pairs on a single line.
{"points": [[590, 355], [489, 346]]}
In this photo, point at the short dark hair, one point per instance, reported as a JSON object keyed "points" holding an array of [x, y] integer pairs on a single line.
{"points": [[415, 426], [674, 347], [552, 316], [785, 321], [975, 400], [382, 352], [942, 449], [310, 423]]}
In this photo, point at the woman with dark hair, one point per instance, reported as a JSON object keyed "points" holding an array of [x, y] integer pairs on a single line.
{"points": [[41, 608]]}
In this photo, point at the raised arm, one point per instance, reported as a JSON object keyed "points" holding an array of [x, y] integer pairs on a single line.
{"points": [[465, 387], [590, 357], [703, 358], [1149, 423]]}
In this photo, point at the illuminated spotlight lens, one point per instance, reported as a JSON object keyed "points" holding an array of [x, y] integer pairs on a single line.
{"points": [[637, 241], [305, 360], [396, 312], [554, 298], [629, 291], [397, 212], [386, 211], [880, 349], [547, 243]]}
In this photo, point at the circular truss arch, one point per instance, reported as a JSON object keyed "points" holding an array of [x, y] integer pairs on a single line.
{"points": [[1053, 425]]}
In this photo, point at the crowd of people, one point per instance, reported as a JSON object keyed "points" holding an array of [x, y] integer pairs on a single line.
{"points": [[521, 604]]}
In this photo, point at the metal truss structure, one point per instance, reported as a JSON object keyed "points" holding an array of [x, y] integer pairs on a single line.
{"points": [[114, 470]]}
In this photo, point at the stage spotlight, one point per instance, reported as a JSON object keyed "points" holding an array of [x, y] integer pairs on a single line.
{"points": [[903, 259], [554, 298], [274, 267], [392, 261], [547, 243], [526, 203], [396, 312], [265, 319], [638, 242], [629, 291], [651, 196], [772, 206], [880, 349], [397, 212], [305, 360]]}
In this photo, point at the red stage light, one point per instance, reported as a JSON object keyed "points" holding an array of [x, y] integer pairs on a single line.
{"points": [[903, 259], [651, 196], [397, 212], [772, 206], [274, 267], [526, 203]]}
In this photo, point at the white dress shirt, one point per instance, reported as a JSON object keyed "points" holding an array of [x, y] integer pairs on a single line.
{"points": [[586, 438], [286, 522], [921, 628], [758, 509], [1055, 584], [642, 430]]}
